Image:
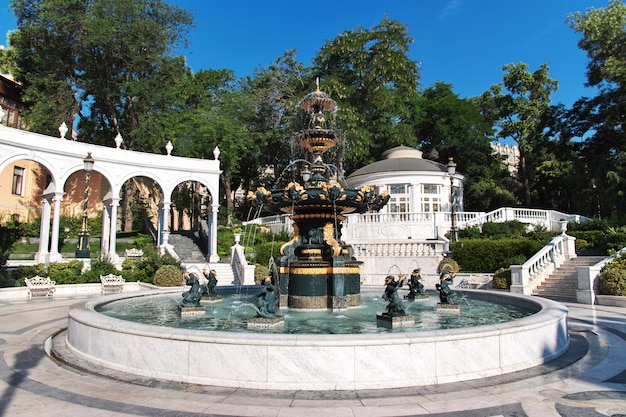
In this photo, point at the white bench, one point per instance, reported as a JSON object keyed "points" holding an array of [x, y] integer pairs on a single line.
{"points": [[112, 284], [40, 287], [133, 253]]}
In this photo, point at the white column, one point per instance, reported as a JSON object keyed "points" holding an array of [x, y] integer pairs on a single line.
{"points": [[165, 223], [115, 202], [213, 256], [54, 255], [414, 190], [106, 227], [44, 232]]}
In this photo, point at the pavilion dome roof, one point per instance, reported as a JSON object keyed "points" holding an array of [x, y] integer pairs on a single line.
{"points": [[399, 159]]}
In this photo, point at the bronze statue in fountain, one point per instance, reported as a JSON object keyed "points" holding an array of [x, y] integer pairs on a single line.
{"points": [[316, 269]]}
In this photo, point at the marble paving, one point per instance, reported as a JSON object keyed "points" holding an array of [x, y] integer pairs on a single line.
{"points": [[588, 381]]}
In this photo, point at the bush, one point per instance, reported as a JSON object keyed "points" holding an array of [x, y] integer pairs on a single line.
{"points": [[66, 273], [260, 272], [100, 266], [168, 276], [448, 264], [613, 277], [487, 255], [133, 272], [504, 230], [502, 279], [264, 251]]}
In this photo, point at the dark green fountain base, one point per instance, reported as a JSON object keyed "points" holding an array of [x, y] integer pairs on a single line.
{"points": [[315, 285]]}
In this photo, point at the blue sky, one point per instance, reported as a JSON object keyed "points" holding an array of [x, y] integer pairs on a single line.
{"points": [[461, 42]]}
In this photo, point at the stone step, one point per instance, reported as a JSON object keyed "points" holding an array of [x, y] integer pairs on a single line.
{"points": [[223, 271], [562, 284]]}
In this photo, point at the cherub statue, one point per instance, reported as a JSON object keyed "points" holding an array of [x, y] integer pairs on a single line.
{"points": [[395, 307]]}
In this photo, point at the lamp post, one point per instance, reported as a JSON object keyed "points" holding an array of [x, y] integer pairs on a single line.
{"points": [[82, 251], [453, 200]]}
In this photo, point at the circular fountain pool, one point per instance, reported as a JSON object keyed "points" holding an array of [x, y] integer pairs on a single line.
{"points": [[320, 361], [233, 311]]}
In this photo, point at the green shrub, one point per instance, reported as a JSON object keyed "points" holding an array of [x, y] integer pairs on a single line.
{"points": [[504, 230], [132, 271], [66, 272], [448, 264], [612, 241], [502, 279], [168, 276], [487, 255], [613, 277], [264, 251], [260, 272], [472, 232], [100, 266], [26, 272]]}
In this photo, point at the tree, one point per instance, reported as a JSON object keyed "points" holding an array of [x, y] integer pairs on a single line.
{"points": [[103, 61], [520, 113], [449, 126], [369, 73], [603, 117], [210, 116], [274, 92], [42, 56]]}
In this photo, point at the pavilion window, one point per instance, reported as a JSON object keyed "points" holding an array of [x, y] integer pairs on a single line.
{"points": [[399, 199], [431, 198]]}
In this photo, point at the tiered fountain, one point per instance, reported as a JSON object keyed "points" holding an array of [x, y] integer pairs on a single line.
{"points": [[317, 270]]}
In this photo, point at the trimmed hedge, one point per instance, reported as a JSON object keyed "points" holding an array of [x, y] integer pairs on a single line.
{"points": [[486, 255]]}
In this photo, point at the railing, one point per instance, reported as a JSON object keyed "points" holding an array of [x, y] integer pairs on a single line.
{"points": [[525, 278], [203, 239], [428, 225], [410, 250], [242, 271], [588, 277], [149, 227]]}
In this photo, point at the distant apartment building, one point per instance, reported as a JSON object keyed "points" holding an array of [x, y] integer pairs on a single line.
{"points": [[11, 102], [510, 154]]}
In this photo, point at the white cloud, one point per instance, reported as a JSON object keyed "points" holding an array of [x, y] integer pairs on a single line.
{"points": [[452, 7]]}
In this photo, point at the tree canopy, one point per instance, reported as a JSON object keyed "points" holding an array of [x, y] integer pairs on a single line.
{"points": [[105, 62], [106, 67], [370, 73]]}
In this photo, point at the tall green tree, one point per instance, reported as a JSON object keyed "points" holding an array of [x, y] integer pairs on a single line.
{"points": [[103, 61], [210, 116], [602, 118], [274, 92], [369, 73], [43, 57], [449, 126], [520, 103]]}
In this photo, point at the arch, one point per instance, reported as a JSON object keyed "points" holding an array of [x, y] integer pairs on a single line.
{"points": [[63, 158]]}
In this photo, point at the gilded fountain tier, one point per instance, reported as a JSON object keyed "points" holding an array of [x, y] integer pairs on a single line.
{"points": [[316, 269]]}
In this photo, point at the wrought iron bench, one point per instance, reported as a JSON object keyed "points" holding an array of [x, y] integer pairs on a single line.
{"points": [[112, 284], [40, 287]]}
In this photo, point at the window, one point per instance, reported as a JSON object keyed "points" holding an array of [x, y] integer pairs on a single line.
{"points": [[431, 198], [397, 189], [18, 181], [399, 199]]}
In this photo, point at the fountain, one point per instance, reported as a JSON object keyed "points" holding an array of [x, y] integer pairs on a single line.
{"points": [[318, 272]]}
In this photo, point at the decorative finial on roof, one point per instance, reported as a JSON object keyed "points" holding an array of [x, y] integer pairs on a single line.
{"points": [[317, 82]]}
